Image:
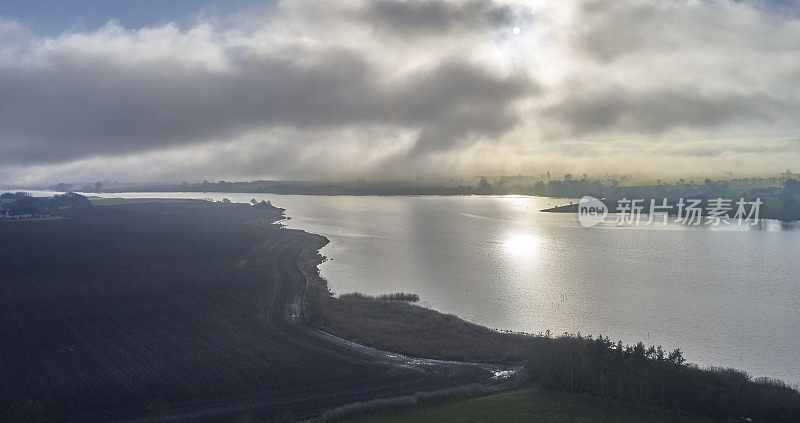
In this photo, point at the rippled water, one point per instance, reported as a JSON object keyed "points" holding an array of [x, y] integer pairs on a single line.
{"points": [[727, 296]]}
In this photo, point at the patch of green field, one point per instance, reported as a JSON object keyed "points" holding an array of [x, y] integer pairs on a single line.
{"points": [[101, 201], [530, 404]]}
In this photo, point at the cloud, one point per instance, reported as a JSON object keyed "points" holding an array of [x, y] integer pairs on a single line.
{"points": [[435, 17], [586, 112], [400, 89], [119, 91]]}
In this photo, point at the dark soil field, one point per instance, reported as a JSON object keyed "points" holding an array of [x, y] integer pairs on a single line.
{"points": [[177, 311]]}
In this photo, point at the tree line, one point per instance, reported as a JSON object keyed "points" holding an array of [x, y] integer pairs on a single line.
{"points": [[650, 376], [14, 204]]}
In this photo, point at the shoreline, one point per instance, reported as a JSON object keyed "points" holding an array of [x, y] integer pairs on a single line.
{"points": [[308, 262], [378, 312], [549, 362]]}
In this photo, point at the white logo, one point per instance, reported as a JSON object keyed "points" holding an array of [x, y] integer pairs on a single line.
{"points": [[591, 211]]}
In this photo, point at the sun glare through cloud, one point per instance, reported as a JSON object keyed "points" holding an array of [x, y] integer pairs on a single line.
{"points": [[502, 86]]}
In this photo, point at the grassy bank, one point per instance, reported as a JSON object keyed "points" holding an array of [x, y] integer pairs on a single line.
{"points": [[526, 405], [102, 201], [402, 327]]}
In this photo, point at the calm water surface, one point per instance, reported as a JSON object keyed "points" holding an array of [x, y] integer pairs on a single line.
{"points": [[726, 296]]}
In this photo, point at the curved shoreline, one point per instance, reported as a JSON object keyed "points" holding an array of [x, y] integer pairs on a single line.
{"points": [[310, 257], [289, 294], [502, 376], [195, 317], [393, 326]]}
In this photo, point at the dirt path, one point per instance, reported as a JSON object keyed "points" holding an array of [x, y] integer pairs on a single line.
{"points": [[385, 374]]}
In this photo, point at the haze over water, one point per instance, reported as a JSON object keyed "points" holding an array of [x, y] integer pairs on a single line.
{"points": [[727, 296]]}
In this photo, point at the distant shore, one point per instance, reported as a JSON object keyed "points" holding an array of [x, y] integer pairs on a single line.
{"points": [[611, 206]]}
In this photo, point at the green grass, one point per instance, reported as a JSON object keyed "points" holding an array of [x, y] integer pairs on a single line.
{"points": [[529, 404], [100, 201]]}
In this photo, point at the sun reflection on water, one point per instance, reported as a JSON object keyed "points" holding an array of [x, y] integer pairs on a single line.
{"points": [[522, 245]]}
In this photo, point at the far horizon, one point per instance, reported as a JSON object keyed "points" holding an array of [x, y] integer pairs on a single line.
{"points": [[106, 185]]}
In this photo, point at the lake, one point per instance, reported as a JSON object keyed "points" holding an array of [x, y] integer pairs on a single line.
{"points": [[727, 296]]}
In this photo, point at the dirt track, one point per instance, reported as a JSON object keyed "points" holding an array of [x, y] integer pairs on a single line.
{"points": [[188, 311]]}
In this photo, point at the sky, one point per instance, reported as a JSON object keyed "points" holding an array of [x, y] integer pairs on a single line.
{"points": [[151, 91]]}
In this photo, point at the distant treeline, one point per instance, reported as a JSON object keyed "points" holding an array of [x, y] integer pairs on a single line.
{"points": [[543, 185], [299, 188], [18, 204], [781, 202], [579, 188], [644, 376]]}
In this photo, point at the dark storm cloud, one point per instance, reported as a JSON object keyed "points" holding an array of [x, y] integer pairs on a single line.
{"points": [[426, 17], [717, 149], [78, 106], [478, 102], [611, 30], [660, 110]]}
